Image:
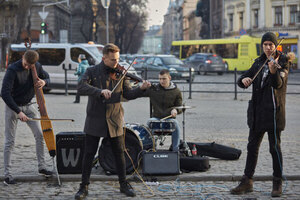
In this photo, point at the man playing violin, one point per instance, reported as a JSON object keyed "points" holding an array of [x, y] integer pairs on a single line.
{"points": [[17, 92], [165, 97], [105, 115], [266, 111]]}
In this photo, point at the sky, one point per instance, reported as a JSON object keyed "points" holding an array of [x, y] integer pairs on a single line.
{"points": [[157, 10]]}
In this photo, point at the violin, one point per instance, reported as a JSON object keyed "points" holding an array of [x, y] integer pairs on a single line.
{"points": [[117, 72]]}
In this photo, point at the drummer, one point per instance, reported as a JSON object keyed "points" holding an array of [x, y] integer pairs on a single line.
{"points": [[164, 97]]}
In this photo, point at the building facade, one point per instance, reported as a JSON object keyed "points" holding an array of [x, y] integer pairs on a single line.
{"points": [[152, 43]]}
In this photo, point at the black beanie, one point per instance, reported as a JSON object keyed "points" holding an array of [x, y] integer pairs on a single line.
{"points": [[269, 36]]}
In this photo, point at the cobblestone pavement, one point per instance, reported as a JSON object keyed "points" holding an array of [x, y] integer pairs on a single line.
{"points": [[215, 118], [164, 190]]}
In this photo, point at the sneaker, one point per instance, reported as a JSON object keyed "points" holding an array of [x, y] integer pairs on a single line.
{"points": [[9, 181], [45, 172], [127, 189]]}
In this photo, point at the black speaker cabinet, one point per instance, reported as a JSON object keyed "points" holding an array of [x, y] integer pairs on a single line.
{"points": [[69, 152], [161, 163]]}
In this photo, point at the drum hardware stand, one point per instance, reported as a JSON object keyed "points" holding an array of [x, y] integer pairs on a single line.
{"points": [[185, 146]]}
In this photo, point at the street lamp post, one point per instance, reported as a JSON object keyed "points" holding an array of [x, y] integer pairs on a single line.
{"points": [[105, 4]]}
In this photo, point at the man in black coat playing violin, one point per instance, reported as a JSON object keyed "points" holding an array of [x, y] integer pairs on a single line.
{"points": [[105, 115], [266, 111]]}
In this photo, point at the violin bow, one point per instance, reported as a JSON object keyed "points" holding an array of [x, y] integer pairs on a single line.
{"points": [[267, 60], [123, 76]]}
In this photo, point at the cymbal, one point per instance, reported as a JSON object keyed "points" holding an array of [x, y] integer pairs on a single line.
{"points": [[185, 107]]}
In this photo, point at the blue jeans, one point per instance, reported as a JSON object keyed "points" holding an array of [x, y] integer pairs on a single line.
{"points": [[175, 134]]}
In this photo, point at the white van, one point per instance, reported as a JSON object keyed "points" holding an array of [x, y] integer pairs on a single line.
{"points": [[55, 57]]}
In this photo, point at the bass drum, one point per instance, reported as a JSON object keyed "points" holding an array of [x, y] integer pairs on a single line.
{"points": [[134, 147], [144, 134]]}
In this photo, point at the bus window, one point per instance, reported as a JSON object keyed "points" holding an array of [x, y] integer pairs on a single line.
{"points": [[51, 56], [175, 51]]}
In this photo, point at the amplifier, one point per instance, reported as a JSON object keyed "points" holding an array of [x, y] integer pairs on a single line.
{"points": [[161, 163], [69, 152]]}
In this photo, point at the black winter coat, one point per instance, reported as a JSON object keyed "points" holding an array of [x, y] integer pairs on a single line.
{"points": [[104, 116], [261, 109]]}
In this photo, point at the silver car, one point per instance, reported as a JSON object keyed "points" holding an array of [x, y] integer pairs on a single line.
{"points": [[206, 62]]}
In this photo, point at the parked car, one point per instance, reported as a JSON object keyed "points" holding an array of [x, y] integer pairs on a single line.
{"points": [[206, 62], [154, 64], [139, 61]]}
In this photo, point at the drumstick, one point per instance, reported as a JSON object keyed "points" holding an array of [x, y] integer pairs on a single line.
{"points": [[166, 117]]}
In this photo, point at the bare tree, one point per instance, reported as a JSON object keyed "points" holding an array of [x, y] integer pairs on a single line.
{"points": [[127, 19], [22, 13]]}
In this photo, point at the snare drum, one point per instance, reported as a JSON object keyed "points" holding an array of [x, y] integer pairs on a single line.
{"points": [[144, 135], [161, 127]]}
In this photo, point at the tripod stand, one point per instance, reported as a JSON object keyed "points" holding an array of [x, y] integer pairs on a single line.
{"points": [[185, 146]]}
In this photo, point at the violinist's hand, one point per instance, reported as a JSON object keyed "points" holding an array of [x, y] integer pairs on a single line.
{"points": [[106, 93], [272, 66], [40, 83], [174, 112], [145, 85], [23, 117], [247, 81]]}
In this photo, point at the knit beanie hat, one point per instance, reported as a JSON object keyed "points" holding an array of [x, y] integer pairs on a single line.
{"points": [[269, 36]]}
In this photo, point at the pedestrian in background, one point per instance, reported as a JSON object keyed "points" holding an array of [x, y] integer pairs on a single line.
{"points": [[83, 65], [266, 111], [17, 92]]}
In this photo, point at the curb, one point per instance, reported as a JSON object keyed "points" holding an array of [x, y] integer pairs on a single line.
{"points": [[191, 178]]}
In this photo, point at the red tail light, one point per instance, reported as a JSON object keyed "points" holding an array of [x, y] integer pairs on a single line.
{"points": [[214, 55], [208, 61], [135, 62]]}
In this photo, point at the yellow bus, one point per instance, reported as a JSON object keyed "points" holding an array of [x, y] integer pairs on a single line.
{"points": [[238, 52]]}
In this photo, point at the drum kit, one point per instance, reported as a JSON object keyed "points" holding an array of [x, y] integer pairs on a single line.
{"points": [[145, 137]]}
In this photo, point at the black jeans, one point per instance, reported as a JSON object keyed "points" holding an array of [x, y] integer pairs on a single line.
{"points": [[91, 147], [254, 142]]}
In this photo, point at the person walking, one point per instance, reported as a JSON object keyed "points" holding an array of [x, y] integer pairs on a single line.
{"points": [[266, 111], [83, 65], [17, 92], [105, 115]]}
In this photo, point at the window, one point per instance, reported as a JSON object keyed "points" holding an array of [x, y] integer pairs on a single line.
{"points": [[157, 62], [75, 53], [241, 20], [278, 16], [51, 56], [293, 14], [230, 22], [255, 12], [48, 56]]}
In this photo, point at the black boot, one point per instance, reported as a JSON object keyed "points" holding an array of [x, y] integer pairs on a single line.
{"points": [[246, 185], [277, 187], [126, 188], [82, 192]]}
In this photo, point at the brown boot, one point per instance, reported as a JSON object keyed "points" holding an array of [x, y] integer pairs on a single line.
{"points": [[245, 186], [277, 187]]}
